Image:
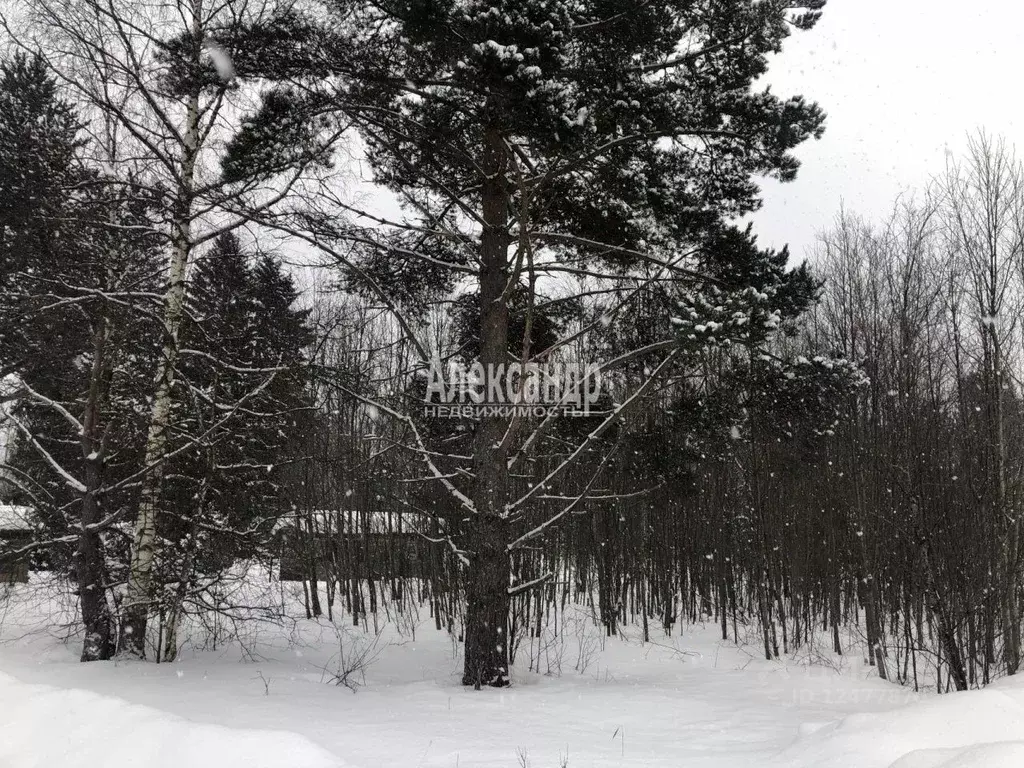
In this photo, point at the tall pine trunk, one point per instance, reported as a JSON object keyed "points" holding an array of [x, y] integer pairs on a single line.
{"points": [[487, 642], [488, 606]]}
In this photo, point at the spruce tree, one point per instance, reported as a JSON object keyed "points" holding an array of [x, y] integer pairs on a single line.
{"points": [[38, 165], [77, 280], [243, 352]]}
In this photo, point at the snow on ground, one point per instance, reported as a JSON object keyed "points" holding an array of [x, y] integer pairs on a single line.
{"points": [[47, 726], [975, 729], [684, 701]]}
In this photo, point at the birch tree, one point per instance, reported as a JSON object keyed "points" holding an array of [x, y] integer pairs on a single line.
{"points": [[162, 100]]}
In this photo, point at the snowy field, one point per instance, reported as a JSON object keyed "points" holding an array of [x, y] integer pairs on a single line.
{"points": [[273, 701]]}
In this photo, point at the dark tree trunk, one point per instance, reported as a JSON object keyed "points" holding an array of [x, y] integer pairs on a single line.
{"points": [[91, 572], [487, 643], [947, 635], [90, 566]]}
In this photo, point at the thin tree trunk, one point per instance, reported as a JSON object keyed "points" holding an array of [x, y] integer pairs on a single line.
{"points": [[90, 567], [145, 544]]}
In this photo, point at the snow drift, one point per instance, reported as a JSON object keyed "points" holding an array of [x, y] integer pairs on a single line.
{"points": [[975, 729], [73, 728]]}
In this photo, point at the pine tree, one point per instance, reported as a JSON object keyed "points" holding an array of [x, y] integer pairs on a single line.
{"points": [[537, 138]]}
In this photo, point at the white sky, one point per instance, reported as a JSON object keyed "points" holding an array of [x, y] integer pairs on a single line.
{"points": [[901, 80]]}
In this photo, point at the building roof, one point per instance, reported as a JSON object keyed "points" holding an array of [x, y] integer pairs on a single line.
{"points": [[347, 521], [15, 518]]}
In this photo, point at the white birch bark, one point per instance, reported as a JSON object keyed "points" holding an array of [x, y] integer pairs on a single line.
{"points": [[145, 543]]}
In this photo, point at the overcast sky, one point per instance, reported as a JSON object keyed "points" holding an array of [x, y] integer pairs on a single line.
{"points": [[901, 81]]}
